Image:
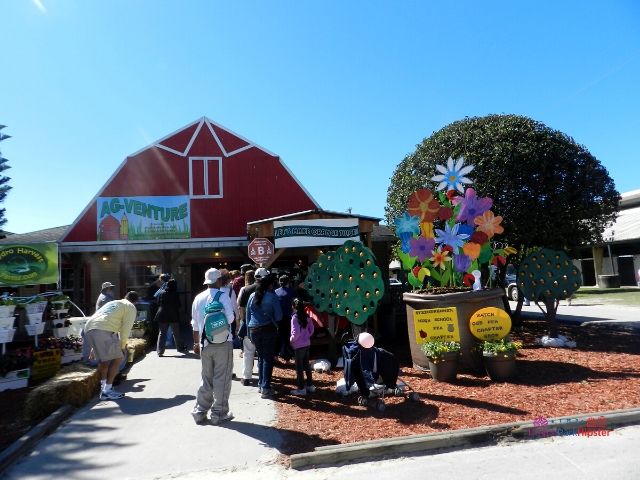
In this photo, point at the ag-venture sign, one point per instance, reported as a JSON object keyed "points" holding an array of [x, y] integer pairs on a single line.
{"points": [[32, 264], [143, 218], [313, 233]]}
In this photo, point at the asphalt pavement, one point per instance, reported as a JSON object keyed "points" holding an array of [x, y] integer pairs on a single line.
{"points": [[150, 433]]}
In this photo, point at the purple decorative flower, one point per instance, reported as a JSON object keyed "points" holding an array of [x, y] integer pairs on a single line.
{"points": [[461, 263], [472, 206], [422, 247]]}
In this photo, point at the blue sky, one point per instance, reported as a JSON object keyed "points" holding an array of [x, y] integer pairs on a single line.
{"points": [[342, 91]]}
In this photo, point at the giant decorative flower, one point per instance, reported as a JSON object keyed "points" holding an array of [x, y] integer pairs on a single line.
{"points": [[440, 257], [461, 263], [424, 205], [421, 247], [453, 175], [472, 250], [406, 227], [472, 206], [489, 224], [450, 236]]}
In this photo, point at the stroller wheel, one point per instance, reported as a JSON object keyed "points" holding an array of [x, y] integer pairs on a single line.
{"points": [[414, 397], [398, 391], [363, 401], [380, 406]]}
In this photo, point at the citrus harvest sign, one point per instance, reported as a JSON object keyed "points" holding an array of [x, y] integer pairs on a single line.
{"points": [[490, 323], [436, 324], [32, 264]]}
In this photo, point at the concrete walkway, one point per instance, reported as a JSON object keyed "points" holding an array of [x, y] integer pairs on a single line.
{"points": [[150, 433], [590, 314]]}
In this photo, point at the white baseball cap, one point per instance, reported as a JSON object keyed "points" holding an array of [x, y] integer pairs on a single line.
{"points": [[107, 285], [261, 273], [211, 276], [366, 340]]}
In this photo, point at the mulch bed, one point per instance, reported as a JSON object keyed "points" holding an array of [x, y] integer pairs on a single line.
{"points": [[603, 373]]}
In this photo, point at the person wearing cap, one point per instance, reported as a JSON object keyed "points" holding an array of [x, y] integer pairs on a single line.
{"points": [[263, 316], [107, 332], [106, 295], [216, 358]]}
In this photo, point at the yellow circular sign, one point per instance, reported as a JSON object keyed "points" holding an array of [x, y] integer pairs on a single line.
{"points": [[490, 323]]}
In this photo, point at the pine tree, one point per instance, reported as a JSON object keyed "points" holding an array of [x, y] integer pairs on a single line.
{"points": [[4, 180]]}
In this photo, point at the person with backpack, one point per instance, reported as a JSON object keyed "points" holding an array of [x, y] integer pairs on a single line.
{"points": [[301, 332], [263, 315], [212, 314]]}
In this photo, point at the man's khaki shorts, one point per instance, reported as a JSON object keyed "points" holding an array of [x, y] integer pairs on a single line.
{"points": [[106, 345]]}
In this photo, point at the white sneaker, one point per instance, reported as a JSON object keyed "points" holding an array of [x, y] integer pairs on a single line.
{"points": [[111, 395], [311, 388], [299, 391]]}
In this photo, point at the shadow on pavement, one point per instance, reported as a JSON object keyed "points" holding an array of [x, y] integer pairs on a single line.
{"points": [[62, 460]]}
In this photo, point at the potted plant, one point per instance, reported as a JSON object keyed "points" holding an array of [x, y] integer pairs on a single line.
{"points": [[500, 358], [60, 303], [447, 247], [443, 359]]}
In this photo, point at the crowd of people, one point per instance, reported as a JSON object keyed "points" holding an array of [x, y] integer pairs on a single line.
{"points": [[251, 309]]}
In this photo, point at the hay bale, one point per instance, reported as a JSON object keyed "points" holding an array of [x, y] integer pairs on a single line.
{"points": [[75, 385], [138, 345]]}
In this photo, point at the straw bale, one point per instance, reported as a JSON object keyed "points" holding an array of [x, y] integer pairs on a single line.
{"points": [[75, 385]]}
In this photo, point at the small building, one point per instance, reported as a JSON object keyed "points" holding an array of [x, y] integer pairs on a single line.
{"points": [[617, 260]]}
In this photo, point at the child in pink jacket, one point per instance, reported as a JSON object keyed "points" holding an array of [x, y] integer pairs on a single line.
{"points": [[301, 332]]}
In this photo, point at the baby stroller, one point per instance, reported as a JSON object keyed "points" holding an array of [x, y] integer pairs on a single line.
{"points": [[374, 370]]}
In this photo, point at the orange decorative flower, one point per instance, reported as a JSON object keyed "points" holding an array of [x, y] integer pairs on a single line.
{"points": [[472, 250], [489, 224], [423, 204], [440, 257]]}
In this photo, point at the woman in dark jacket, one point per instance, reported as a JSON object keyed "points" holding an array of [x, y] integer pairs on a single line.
{"points": [[169, 314]]}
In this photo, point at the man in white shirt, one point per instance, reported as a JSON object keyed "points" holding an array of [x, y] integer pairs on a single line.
{"points": [[216, 358]]}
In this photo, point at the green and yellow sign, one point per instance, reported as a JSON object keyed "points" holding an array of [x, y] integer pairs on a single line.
{"points": [[29, 264], [436, 324], [490, 323]]}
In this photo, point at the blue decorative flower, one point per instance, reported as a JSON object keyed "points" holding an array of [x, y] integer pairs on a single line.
{"points": [[453, 175], [450, 236], [406, 227]]}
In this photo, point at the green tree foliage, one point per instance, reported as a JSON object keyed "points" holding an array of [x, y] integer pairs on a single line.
{"points": [[550, 190], [4, 180], [547, 276]]}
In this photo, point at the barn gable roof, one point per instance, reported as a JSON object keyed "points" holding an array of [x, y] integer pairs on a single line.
{"points": [[190, 141]]}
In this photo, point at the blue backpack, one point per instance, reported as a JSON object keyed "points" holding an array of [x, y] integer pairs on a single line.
{"points": [[216, 325]]}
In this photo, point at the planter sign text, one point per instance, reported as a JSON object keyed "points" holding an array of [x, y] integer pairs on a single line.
{"points": [[436, 324], [143, 218], [315, 233], [490, 324], [33, 264]]}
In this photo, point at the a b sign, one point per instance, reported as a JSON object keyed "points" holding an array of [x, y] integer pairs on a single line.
{"points": [[490, 323], [260, 250]]}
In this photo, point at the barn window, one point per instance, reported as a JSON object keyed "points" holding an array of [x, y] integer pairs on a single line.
{"points": [[205, 177]]}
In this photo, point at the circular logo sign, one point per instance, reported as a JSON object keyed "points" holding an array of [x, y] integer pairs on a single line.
{"points": [[490, 323], [20, 264]]}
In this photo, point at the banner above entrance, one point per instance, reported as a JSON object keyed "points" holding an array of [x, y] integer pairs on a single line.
{"points": [[31, 264], [315, 233], [143, 218]]}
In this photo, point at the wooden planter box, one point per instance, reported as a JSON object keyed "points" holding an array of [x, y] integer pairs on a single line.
{"points": [[466, 304]]}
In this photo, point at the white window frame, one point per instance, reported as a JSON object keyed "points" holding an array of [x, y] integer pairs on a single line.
{"points": [[206, 177]]}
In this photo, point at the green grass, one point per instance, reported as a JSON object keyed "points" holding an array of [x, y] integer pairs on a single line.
{"points": [[615, 296]]}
